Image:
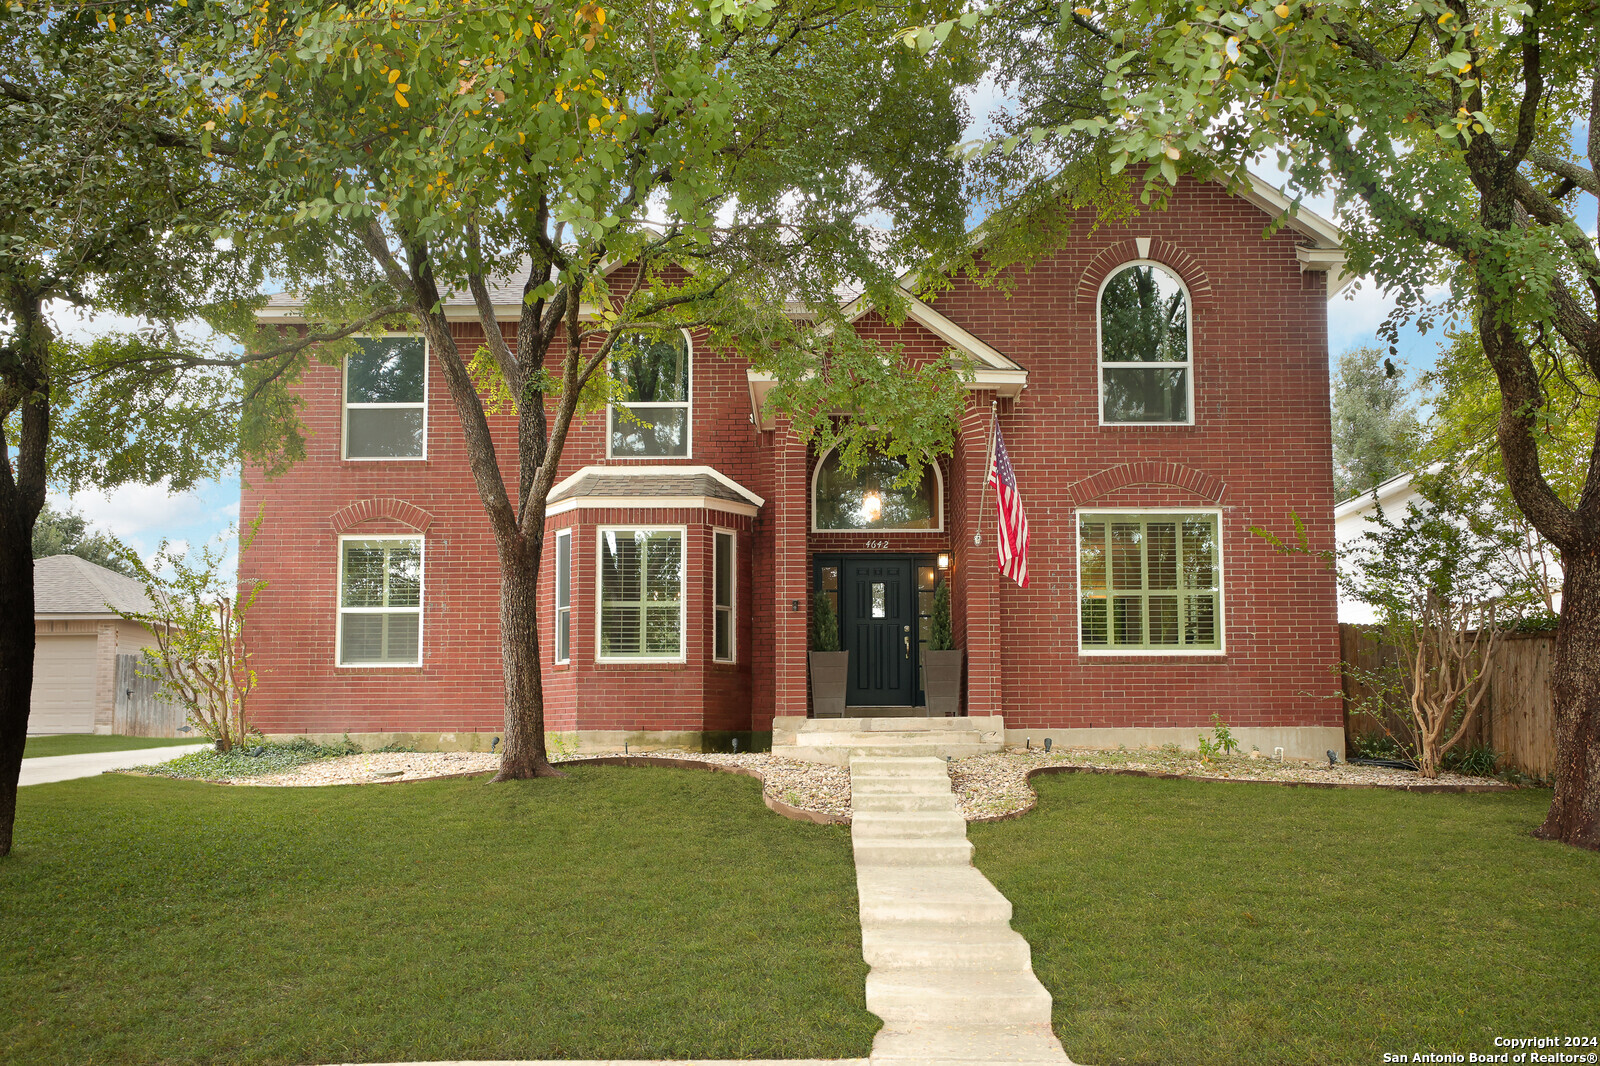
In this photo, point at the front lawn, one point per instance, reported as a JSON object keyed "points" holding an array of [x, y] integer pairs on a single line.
{"points": [[615, 913], [88, 743], [1179, 921]]}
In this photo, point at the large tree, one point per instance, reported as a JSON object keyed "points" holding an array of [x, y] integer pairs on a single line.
{"points": [[108, 201], [1376, 434], [1445, 130], [660, 165]]}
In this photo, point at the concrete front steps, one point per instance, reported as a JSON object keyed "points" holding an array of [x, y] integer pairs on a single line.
{"points": [[838, 740], [952, 981]]}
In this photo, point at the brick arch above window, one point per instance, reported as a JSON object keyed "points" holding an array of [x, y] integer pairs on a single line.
{"points": [[1149, 472], [1169, 255], [407, 514]]}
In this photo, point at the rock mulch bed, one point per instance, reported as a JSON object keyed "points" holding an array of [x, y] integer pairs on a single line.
{"points": [[986, 786], [996, 786], [821, 789]]}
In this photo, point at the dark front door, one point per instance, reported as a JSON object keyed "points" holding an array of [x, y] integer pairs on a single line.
{"points": [[877, 624]]}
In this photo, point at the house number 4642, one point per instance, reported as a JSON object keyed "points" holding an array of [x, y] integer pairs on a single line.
{"points": [[879, 544]]}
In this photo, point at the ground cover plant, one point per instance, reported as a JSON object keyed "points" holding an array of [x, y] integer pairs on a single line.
{"points": [[1178, 921], [611, 913], [254, 758], [87, 743]]}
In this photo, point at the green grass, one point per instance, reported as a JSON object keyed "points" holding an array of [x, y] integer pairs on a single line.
{"points": [[1201, 923], [87, 743], [615, 913]]}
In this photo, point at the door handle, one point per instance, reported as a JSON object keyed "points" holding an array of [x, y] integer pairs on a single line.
{"points": [[907, 636]]}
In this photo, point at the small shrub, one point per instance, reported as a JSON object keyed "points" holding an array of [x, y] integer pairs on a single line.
{"points": [[824, 624], [940, 635], [1477, 761]]}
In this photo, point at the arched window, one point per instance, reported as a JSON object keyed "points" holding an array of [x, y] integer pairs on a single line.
{"points": [[1146, 369], [653, 420], [868, 498]]}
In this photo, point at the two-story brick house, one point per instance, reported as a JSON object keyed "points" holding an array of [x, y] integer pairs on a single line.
{"points": [[1162, 386]]}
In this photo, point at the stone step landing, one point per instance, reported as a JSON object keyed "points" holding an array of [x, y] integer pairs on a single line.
{"points": [[952, 981], [839, 740]]}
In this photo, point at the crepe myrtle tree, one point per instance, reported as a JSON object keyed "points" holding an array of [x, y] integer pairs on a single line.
{"points": [[1446, 131], [682, 164], [107, 207]]}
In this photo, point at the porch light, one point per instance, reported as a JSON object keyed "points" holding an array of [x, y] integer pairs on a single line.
{"points": [[944, 560], [872, 505]]}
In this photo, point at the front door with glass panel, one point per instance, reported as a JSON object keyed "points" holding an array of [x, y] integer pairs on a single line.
{"points": [[877, 624]]}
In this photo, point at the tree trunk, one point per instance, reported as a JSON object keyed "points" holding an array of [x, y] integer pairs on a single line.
{"points": [[1574, 816], [16, 659], [525, 755], [24, 385]]}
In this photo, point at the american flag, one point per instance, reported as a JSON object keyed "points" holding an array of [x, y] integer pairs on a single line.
{"points": [[1012, 546]]}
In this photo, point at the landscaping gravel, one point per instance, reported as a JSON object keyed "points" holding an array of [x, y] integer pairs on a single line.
{"points": [[990, 786], [986, 786]]}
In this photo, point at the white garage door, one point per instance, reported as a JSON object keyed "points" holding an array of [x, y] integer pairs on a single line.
{"points": [[63, 685]]}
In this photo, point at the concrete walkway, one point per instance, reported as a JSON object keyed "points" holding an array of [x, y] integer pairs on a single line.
{"points": [[66, 767], [952, 981]]}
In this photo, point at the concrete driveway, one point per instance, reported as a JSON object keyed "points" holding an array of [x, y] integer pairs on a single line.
{"points": [[66, 767]]}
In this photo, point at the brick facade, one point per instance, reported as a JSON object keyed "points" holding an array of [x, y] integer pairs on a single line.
{"points": [[1259, 449]]}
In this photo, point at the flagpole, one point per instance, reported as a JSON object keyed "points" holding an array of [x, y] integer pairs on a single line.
{"points": [[983, 493]]}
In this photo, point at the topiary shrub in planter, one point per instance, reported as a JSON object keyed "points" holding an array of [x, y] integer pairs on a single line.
{"points": [[830, 667], [942, 661]]}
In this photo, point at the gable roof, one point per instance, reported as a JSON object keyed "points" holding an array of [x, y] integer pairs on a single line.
{"points": [[66, 584]]}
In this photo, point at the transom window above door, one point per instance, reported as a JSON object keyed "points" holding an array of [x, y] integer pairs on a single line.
{"points": [[652, 420], [1146, 369], [870, 499]]}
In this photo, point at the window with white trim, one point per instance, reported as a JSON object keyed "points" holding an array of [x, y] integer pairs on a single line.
{"points": [[380, 601], [652, 419], [722, 569], [1146, 371], [563, 627], [385, 399], [641, 594], [1149, 582]]}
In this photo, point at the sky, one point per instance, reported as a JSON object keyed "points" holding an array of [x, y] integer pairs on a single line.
{"points": [[144, 515]]}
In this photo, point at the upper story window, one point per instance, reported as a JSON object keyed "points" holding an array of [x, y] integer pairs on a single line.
{"points": [[653, 419], [1146, 369], [385, 399], [868, 498]]}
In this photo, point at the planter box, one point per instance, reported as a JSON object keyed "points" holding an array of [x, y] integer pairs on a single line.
{"points": [[830, 670], [942, 678]]}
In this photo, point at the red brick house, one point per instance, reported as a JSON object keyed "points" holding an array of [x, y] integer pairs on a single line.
{"points": [[1162, 386]]}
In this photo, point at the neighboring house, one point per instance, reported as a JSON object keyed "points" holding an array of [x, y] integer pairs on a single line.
{"points": [[1351, 522], [79, 630], [1162, 385]]}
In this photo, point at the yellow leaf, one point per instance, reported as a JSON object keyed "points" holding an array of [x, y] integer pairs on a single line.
{"points": [[594, 123], [522, 138], [147, 16], [1282, 11], [1082, 12], [394, 76], [538, 30], [400, 100], [600, 15], [1464, 69], [402, 88], [1446, 17], [111, 23]]}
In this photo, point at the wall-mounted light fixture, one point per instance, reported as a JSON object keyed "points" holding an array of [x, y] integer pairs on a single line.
{"points": [[944, 560]]}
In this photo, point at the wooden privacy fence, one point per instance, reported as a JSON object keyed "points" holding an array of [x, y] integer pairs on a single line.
{"points": [[1517, 719], [140, 711]]}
